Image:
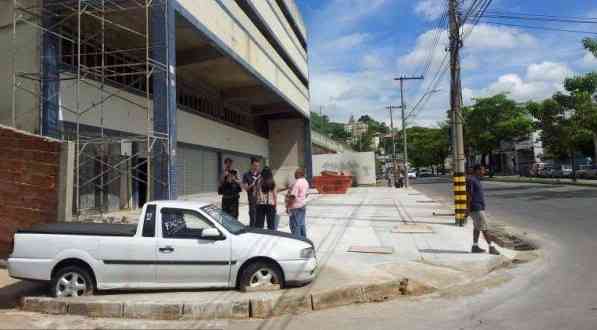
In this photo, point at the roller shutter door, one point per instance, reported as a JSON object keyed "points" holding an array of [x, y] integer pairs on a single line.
{"points": [[197, 171], [240, 163]]}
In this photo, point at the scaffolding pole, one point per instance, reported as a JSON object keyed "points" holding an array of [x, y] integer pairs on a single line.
{"points": [[101, 45]]}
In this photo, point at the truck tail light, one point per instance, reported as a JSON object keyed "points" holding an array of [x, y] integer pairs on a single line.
{"points": [[11, 245]]}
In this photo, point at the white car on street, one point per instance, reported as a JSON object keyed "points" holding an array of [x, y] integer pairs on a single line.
{"points": [[176, 245]]}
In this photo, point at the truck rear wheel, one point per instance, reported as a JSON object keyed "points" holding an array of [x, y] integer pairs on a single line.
{"points": [[72, 281], [260, 274]]}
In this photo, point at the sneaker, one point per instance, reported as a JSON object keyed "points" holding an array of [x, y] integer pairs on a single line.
{"points": [[494, 251], [477, 249]]}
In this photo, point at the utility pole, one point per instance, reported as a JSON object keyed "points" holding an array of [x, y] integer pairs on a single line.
{"points": [[391, 108], [460, 203], [404, 137]]}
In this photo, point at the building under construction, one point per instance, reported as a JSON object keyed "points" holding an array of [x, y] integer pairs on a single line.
{"points": [[155, 94]]}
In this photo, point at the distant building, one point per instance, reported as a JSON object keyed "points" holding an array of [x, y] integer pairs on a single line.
{"points": [[356, 129]]}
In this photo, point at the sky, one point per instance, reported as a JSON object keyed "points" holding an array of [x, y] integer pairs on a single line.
{"points": [[357, 48]]}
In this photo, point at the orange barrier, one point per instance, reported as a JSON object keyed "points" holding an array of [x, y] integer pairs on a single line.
{"points": [[332, 182]]}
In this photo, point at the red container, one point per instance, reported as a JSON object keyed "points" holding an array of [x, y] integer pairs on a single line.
{"points": [[332, 183]]}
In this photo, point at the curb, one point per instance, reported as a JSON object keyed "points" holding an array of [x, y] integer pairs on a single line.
{"points": [[539, 181], [260, 306]]}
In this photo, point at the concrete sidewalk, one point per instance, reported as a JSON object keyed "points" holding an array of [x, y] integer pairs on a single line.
{"points": [[426, 253]]}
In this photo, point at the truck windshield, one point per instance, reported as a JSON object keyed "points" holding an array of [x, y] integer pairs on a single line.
{"points": [[230, 223]]}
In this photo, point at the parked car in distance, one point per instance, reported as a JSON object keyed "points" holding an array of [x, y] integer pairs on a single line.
{"points": [[425, 172], [175, 245], [558, 171], [587, 172], [412, 175]]}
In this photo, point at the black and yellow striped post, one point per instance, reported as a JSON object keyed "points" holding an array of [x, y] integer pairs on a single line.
{"points": [[460, 206]]}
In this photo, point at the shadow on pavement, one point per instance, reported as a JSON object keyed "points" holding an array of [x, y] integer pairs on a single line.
{"points": [[10, 294]]}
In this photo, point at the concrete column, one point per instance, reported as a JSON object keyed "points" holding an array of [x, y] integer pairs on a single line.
{"points": [[308, 150], [50, 71], [289, 145], [66, 182], [163, 42]]}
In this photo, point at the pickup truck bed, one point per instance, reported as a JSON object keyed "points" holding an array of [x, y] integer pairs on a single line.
{"points": [[86, 229]]}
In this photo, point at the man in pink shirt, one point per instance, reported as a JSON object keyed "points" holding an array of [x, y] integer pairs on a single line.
{"points": [[296, 204]]}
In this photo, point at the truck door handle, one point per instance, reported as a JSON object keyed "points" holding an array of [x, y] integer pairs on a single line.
{"points": [[167, 249]]}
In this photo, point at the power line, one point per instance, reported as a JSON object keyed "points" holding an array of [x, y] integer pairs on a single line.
{"points": [[476, 11], [499, 12], [542, 19], [540, 27]]}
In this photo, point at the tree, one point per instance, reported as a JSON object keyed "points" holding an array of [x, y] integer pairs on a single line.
{"points": [[582, 90], [493, 120], [590, 45], [427, 147], [323, 125]]}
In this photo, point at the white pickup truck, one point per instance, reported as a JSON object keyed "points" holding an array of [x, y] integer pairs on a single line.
{"points": [[175, 245]]}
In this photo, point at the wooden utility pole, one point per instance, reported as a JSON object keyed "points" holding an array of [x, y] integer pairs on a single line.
{"points": [[460, 203], [391, 108], [404, 137]]}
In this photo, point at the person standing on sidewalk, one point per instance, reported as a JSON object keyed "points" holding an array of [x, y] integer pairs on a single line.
{"points": [[476, 208], [297, 204], [229, 188], [266, 200], [248, 184]]}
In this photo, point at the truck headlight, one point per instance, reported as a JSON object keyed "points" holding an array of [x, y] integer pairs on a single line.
{"points": [[308, 253]]}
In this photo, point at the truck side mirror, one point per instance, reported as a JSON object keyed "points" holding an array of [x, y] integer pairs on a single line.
{"points": [[211, 234]]}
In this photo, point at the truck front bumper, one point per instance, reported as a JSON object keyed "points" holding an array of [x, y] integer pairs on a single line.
{"points": [[299, 271]]}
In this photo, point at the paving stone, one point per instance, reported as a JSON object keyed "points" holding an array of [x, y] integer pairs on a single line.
{"points": [[269, 306], [96, 309], [153, 311], [379, 292], [337, 297], [264, 288], [44, 305], [414, 288], [216, 310]]}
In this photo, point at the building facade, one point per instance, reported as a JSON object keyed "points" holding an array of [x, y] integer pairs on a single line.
{"points": [[156, 94]]}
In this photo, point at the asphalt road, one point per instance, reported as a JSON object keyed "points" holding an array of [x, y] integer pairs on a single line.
{"points": [[558, 291]]}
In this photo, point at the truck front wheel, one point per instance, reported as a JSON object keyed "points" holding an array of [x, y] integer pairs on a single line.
{"points": [[72, 281], [260, 274]]}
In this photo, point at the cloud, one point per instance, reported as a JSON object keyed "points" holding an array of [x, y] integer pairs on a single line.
{"points": [[371, 61], [353, 10], [348, 41], [541, 81], [589, 61], [430, 9], [483, 39]]}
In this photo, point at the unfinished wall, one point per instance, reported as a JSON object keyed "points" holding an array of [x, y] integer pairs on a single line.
{"points": [[120, 114], [30, 182], [27, 61], [232, 30]]}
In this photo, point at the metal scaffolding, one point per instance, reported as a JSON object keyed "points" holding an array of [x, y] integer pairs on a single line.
{"points": [[101, 51]]}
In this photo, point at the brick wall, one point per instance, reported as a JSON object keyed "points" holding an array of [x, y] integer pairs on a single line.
{"points": [[29, 170]]}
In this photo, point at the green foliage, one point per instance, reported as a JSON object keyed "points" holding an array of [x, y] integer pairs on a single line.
{"points": [[426, 146], [493, 120], [590, 45], [323, 125]]}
